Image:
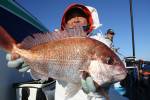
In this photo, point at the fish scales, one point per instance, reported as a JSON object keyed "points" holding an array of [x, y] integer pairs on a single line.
{"points": [[67, 57], [62, 57]]}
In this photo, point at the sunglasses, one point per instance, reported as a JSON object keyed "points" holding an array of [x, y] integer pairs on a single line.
{"points": [[111, 33]]}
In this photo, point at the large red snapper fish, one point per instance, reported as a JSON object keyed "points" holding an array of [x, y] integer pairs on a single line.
{"points": [[63, 55]]}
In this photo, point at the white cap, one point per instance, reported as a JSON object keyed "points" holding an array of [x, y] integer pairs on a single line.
{"points": [[96, 22]]}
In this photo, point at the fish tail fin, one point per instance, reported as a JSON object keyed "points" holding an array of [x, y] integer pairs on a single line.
{"points": [[6, 41]]}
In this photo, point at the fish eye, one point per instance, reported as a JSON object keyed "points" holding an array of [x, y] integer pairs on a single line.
{"points": [[109, 60]]}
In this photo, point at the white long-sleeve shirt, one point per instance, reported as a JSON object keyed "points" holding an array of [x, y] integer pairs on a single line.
{"points": [[103, 39], [80, 95]]}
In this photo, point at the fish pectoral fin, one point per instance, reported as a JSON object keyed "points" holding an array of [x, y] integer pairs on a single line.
{"points": [[36, 76], [71, 90]]}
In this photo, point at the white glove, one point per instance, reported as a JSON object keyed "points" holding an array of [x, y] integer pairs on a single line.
{"points": [[17, 63]]}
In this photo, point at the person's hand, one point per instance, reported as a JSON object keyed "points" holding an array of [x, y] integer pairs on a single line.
{"points": [[87, 82], [91, 88], [88, 85], [15, 61]]}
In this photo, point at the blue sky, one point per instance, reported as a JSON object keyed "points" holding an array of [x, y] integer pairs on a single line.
{"points": [[113, 14]]}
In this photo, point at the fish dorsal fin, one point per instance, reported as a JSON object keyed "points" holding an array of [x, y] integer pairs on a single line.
{"points": [[40, 38]]}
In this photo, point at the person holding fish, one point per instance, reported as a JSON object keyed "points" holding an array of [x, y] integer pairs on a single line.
{"points": [[85, 17]]}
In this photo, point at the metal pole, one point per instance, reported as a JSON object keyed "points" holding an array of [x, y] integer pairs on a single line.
{"points": [[132, 28], [132, 82]]}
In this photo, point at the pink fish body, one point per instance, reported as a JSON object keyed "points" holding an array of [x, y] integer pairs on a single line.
{"points": [[65, 58]]}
